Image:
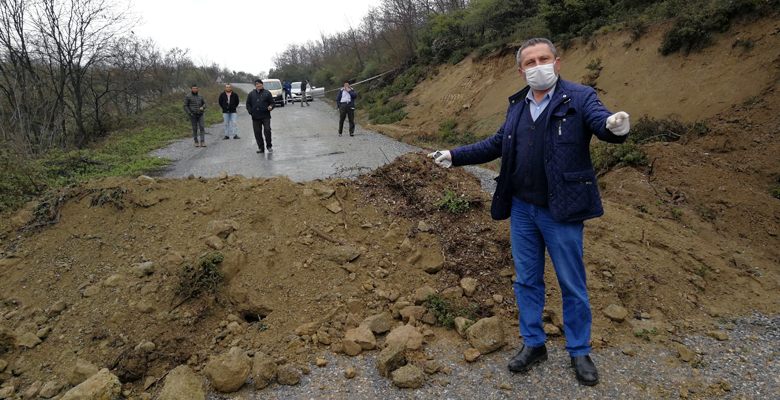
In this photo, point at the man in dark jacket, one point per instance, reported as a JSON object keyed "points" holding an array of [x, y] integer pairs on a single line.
{"points": [[259, 104], [304, 86], [287, 86], [345, 100], [195, 106], [547, 187], [229, 102]]}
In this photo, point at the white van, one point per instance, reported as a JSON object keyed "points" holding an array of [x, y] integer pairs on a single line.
{"points": [[275, 87]]}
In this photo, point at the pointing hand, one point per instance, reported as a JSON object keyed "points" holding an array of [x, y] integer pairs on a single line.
{"points": [[618, 123]]}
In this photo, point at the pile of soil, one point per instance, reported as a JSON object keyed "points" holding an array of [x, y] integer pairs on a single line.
{"points": [[95, 271]]}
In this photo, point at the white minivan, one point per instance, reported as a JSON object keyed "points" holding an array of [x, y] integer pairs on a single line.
{"points": [[275, 87]]}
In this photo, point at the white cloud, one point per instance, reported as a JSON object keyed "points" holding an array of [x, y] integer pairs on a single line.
{"points": [[243, 35]]}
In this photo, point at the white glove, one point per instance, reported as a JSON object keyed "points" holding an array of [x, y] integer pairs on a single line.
{"points": [[618, 123], [442, 158]]}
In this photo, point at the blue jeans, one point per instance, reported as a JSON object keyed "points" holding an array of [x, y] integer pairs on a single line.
{"points": [[230, 124], [532, 228]]}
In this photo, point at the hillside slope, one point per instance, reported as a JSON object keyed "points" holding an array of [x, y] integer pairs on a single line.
{"points": [[635, 78]]}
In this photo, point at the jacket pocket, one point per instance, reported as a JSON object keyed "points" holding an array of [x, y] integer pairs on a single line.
{"points": [[579, 193], [586, 176]]}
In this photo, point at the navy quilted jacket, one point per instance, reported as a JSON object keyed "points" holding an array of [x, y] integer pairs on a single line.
{"points": [[575, 114]]}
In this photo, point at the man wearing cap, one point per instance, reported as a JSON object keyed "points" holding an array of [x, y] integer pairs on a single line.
{"points": [[547, 187]]}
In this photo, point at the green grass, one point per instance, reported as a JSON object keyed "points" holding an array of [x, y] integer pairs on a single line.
{"points": [[124, 152], [453, 203]]}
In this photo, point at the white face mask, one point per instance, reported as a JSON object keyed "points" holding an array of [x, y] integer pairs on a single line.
{"points": [[541, 77]]}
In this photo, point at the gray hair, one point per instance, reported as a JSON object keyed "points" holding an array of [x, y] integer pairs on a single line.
{"points": [[533, 42]]}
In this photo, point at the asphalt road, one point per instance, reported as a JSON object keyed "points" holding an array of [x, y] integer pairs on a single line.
{"points": [[305, 142]]}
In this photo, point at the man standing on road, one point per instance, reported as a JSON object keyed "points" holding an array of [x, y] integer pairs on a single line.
{"points": [[195, 106], [287, 86], [259, 104], [229, 102], [345, 99], [547, 187], [304, 99]]}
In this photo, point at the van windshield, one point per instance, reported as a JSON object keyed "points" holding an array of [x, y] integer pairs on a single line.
{"points": [[296, 85], [272, 85]]}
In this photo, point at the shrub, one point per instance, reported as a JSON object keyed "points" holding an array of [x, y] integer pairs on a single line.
{"points": [[450, 135], [204, 276], [694, 30], [594, 68], [649, 129], [775, 192], [453, 203], [446, 311], [608, 156]]}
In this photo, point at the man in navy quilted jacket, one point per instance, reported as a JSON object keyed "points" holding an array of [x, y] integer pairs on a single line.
{"points": [[547, 187]]}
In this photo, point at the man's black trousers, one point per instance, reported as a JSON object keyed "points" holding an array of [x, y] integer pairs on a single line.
{"points": [[344, 111], [262, 127]]}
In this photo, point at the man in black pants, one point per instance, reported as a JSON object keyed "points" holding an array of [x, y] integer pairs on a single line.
{"points": [[259, 104], [304, 99], [345, 100]]}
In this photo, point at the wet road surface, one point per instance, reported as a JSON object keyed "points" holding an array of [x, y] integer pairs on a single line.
{"points": [[305, 142]]}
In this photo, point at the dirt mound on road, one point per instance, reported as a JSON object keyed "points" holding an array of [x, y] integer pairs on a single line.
{"points": [[98, 277]]}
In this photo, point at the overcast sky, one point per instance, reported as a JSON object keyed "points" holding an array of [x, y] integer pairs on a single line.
{"points": [[243, 35]]}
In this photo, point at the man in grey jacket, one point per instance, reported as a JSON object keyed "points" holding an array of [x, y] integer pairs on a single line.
{"points": [[195, 106]]}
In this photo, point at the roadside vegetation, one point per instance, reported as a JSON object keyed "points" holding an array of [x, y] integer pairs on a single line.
{"points": [[123, 153], [646, 130], [81, 96], [410, 37]]}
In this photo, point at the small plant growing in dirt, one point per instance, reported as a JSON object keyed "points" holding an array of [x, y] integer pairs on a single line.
{"points": [[775, 192], [676, 214], [646, 333], [594, 68], [453, 203], [114, 196], [446, 311], [202, 277]]}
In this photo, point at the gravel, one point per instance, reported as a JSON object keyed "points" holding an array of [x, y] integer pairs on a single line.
{"points": [[746, 366]]}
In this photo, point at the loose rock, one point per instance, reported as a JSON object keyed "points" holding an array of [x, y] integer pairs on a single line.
{"points": [[461, 324], [551, 330], [415, 312], [81, 371], [182, 383], [469, 286], [422, 294], [718, 335], [408, 376], [379, 323], [102, 385], [391, 358], [363, 336], [486, 335], [264, 370], [27, 340], [471, 354], [289, 375], [616, 313], [405, 335], [350, 373], [229, 371], [143, 269], [51, 389]]}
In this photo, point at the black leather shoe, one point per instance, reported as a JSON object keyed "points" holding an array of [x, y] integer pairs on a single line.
{"points": [[585, 370], [527, 357]]}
